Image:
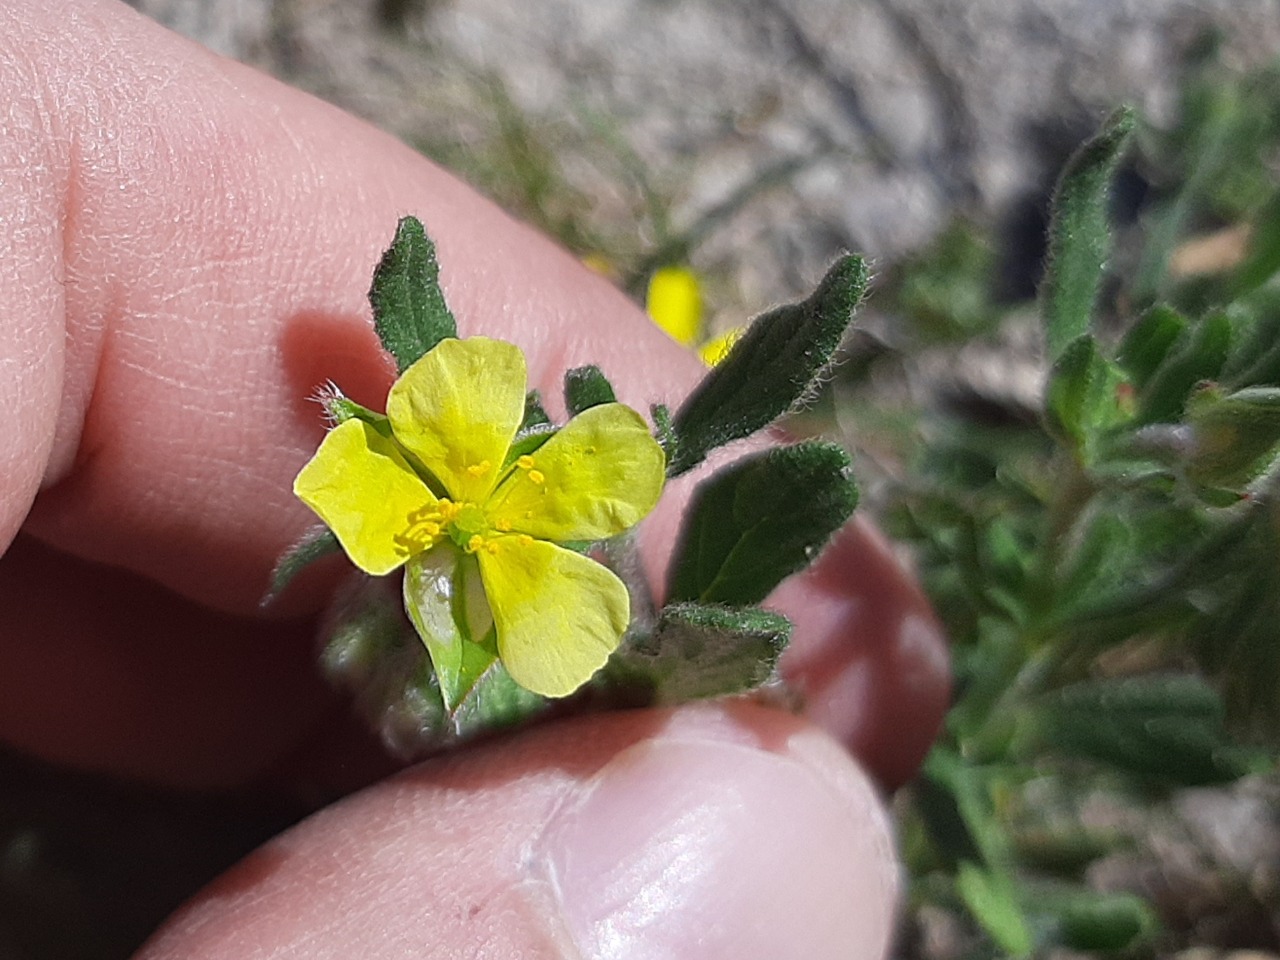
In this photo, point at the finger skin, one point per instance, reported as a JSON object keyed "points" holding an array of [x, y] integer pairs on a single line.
{"points": [[191, 250], [216, 249], [468, 857]]}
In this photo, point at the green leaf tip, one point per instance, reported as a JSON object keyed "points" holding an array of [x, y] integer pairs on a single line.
{"points": [[586, 387], [1080, 233], [409, 310], [751, 525], [771, 369], [315, 544], [535, 414]]}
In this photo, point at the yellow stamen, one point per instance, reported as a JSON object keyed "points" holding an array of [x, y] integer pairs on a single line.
{"points": [[525, 539], [537, 476], [525, 462], [475, 543], [479, 469], [503, 525]]}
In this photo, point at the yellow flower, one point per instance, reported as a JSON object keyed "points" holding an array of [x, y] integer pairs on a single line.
{"points": [[436, 474], [674, 302]]}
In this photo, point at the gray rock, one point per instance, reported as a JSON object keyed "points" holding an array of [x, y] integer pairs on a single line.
{"points": [[887, 116]]}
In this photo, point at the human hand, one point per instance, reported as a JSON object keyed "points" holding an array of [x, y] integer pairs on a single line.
{"points": [[185, 253]]}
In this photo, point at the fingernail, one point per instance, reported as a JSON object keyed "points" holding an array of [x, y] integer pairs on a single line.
{"points": [[681, 849]]}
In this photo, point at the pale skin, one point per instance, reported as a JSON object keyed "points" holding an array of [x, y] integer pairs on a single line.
{"points": [[185, 247]]}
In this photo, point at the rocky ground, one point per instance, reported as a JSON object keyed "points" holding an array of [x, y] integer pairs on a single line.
{"points": [[771, 133]]}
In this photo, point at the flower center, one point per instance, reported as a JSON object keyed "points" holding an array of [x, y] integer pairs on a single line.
{"points": [[463, 523], [468, 523]]}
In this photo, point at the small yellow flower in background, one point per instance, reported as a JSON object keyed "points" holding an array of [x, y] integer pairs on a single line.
{"points": [[436, 474], [674, 301]]}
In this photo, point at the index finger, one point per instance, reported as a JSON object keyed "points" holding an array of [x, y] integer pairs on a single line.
{"points": [[196, 266]]}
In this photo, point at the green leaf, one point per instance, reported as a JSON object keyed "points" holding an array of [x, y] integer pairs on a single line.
{"points": [[1100, 559], [535, 415], [445, 601], [772, 368], [586, 387], [316, 543], [758, 521], [1149, 341], [371, 650], [374, 652], [1200, 357], [1080, 234], [409, 310], [1161, 728], [976, 832], [536, 429], [695, 652], [1082, 398], [1107, 922], [1235, 435], [992, 899], [1255, 360], [495, 702], [528, 440], [664, 431], [1263, 259]]}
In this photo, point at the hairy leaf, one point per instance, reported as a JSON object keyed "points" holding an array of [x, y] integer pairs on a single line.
{"points": [[1080, 234], [586, 387], [698, 651], [754, 523], [409, 311], [315, 544], [770, 369]]}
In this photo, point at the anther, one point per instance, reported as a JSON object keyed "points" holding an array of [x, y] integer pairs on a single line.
{"points": [[475, 543], [479, 469], [525, 462], [537, 476], [503, 525]]}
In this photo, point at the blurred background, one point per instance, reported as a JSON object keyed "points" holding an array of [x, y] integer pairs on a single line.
{"points": [[740, 145]]}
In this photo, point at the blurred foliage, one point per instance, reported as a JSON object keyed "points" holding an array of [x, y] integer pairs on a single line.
{"points": [[1108, 565]]}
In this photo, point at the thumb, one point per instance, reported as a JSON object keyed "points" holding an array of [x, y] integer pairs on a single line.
{"points": [[714, 832]]}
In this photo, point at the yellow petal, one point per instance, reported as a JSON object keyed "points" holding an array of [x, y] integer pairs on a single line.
{"points": [[675, 303], [595, 478], [558, 614], [457, 409], [364, 490]]}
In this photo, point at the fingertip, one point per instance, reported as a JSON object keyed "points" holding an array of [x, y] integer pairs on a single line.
{"points": [[715, 832], [868, 657]]}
